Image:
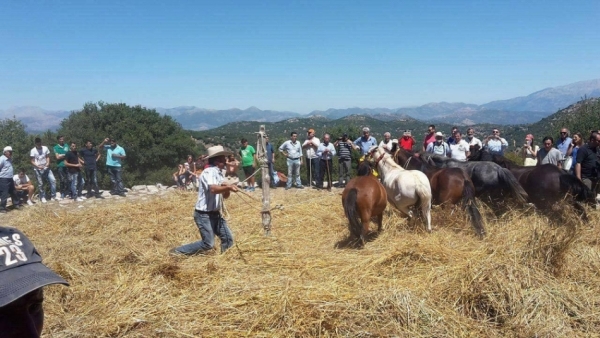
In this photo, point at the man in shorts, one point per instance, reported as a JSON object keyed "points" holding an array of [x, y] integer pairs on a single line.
{"points": [[248, 155]]}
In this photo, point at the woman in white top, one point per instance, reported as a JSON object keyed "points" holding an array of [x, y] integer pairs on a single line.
{"points": [[529, 152]]}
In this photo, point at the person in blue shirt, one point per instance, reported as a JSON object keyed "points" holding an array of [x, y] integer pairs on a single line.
{"points": [[115, 154], [495, 144], [564, 142], [365, 142]]}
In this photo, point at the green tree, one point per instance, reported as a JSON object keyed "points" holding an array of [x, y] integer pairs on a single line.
{"points": [[12, 133], [154, 144]]}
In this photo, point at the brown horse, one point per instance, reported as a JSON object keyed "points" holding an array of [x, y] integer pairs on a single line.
{"points": [[448, 185], [364, 197]]}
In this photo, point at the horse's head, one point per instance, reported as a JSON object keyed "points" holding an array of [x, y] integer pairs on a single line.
{"points": [[365, 168]]}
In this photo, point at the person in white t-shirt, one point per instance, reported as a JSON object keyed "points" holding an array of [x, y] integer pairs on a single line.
{"points": [[387, 142], [472, 140], [24, 185], [459, 148], [40, 159]]}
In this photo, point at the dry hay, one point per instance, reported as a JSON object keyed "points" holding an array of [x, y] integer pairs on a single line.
{"points": [[524, 279]]}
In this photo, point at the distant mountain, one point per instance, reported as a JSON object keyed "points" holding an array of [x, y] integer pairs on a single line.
{"points": [[194, 118], [35, 119], [549, 99]]}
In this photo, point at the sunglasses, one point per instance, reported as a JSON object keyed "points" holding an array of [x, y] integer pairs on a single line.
{"points": [[563, 132], [496, 132]]}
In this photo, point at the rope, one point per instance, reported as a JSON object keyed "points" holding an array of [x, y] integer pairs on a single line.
{"points": [[247, 178]]}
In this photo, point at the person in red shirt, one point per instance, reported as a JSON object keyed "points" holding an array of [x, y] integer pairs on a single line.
{"points": [[407, 141], [429, 137]]}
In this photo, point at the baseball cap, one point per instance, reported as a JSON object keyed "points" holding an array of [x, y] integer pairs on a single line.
{"points": [[311, 130], [439, 133], [7, 148], [21, 268]]}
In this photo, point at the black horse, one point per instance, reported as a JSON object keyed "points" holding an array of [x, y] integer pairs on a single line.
{"points": [[492, 182], [547, 185]]}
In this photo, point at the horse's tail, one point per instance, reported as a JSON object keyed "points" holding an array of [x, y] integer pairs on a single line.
{"points": [[572, 185], [509, 180], [354, 225], [470, 205]]}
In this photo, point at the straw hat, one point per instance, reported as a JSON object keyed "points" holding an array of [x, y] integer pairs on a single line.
{"points": [[217, 151]]}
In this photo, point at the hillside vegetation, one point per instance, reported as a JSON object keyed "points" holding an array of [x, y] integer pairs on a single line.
{"points": [[525, 279]]}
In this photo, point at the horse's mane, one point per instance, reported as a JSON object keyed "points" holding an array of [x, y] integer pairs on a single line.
{"points": [[504, 162]]}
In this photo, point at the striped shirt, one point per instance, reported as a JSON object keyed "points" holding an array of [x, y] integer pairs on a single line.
{"points": [[208, 201], [344, 150]]}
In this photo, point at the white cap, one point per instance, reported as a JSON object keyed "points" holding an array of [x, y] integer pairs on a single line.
{"points": [[7, 148]]}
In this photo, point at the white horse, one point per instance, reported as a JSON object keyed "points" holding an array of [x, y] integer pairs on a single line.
{"points": [[405, 188]]}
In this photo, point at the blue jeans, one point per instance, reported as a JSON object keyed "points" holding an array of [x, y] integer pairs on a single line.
{"points": [[209, 225], [115, 178], [45, 174], [273, 174], [293, 171], [63, 177], [74, 182], [312, 170]]}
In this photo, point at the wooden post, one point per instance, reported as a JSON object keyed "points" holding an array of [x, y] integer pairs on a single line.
{"points": [[261, 154]]}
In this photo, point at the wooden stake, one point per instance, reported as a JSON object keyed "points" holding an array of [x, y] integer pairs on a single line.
{"points": [[261, 154]]}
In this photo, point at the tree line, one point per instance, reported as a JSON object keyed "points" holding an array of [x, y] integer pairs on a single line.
{"points": [[154, 143]]}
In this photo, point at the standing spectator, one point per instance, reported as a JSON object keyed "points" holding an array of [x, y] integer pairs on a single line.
{"points": [[387, 142], [326, 151], [60, 151], [248, 155], [231, 167], [74, 166], [585, 164], [22, 279], [365, 142], [207, 211], [472, 140], [115, 154], [548, 154], [439, 147], [459, 148], [7, 183], [407, 141], [564, 142], [190, 170], [495, 144], [429, 137], [271, 163], [530, 151], [573, 149], [40, 159], [451, 137], [24, 186], [292, 150], [344, 151], [90, 156], [310, 145]]}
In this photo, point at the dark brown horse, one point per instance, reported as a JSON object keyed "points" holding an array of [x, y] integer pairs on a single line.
{"points": [[547, 185], [364, 197], [448, 185]]}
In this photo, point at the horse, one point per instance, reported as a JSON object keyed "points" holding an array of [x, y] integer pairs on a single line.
{"points": [[363, 197], [405, 188], [448, 186], [490, 180], [545, 184]]}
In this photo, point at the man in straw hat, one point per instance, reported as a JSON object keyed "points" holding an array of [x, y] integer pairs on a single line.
{"points": [[22, 278], [207, 213]]}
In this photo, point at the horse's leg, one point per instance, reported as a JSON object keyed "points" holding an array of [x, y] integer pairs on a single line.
{"points": [[365, 218], [426, 211], [379, 221]]}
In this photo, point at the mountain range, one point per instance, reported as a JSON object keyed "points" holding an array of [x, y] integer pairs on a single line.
{"points": [[519, 110]]}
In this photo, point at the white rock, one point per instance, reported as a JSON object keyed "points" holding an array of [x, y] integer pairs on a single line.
{"points": [[152, 189], [139, 188]]}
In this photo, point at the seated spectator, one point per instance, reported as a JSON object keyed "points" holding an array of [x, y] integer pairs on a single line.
{"points": [[179, 176], [24, 187], [22, 278]]}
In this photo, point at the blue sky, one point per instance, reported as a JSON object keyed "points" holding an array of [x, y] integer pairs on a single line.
{"points": [[291, 55]]}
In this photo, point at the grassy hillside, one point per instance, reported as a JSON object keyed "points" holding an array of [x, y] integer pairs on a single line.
{"points": [[524, 279]]}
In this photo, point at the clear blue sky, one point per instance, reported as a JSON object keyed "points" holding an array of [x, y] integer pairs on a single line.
{"points": [[291, 55]]}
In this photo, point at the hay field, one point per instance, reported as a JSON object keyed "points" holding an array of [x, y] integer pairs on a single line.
{"points": [[524, 279]]}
